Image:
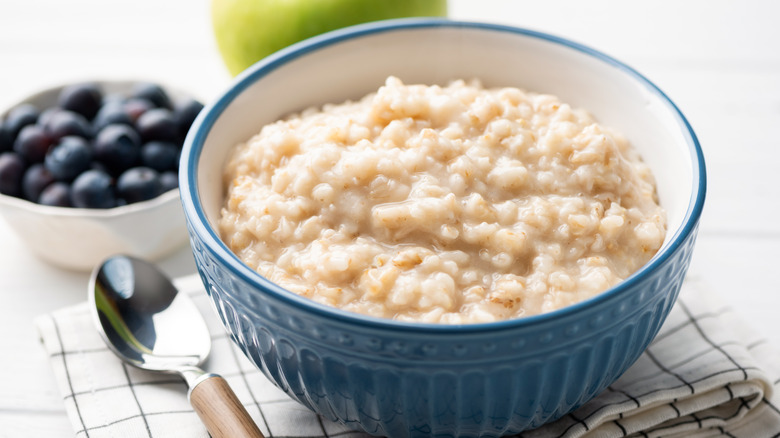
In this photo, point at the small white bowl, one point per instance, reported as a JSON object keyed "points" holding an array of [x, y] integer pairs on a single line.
{"points": [[80, 238]]}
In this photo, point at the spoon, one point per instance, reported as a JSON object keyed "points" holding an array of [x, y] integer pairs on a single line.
{"points": [[148, 325]]}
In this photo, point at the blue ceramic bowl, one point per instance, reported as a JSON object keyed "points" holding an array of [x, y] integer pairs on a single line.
{"points": [[405, 379]]}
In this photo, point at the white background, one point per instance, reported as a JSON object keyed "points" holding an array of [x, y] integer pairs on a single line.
{"points": [[718, 60]]}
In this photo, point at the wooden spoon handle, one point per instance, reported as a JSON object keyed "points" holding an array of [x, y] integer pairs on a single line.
{"points": [[221, 411]]}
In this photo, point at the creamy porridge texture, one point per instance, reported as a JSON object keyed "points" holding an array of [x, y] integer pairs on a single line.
{"points": [[450, 204]]}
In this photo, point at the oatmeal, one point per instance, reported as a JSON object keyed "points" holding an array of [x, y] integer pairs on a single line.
{"points": [[450, 204]]}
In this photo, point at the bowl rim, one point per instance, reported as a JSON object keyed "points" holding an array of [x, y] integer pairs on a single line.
{"points": [[7, 201], [199, 224]]}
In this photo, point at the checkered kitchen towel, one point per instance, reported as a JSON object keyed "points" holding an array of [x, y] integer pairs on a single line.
{"points": [[705, 375]]}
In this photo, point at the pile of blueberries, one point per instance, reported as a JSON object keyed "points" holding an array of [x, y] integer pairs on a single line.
{"points": [[94, 149]]}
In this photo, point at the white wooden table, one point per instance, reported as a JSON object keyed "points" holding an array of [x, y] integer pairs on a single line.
{"points": [[719, 60]]}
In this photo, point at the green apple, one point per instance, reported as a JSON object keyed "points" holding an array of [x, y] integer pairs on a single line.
{"points": [[249, 30]]}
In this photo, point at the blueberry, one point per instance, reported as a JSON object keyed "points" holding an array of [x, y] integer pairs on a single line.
{"points": [[153, 93], [19, 117], [56, 194], [112, 98], [111, 113], [46, 115], [35, 180], [84, 99], [11, 172], [139, 184], [93, 189], [6, 139], [135, 107], [185, 113], [160, 155], [97, 165], [118, 147], [157, 124], [64, 123], [74, 154], [169, 180], [32, 143], [68, 158]]}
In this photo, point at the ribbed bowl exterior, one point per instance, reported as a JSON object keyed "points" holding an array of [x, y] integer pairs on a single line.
{"points": [[413, 382]]}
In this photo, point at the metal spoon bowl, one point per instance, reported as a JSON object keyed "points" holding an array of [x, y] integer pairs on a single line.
{"points": [[145, 322]]}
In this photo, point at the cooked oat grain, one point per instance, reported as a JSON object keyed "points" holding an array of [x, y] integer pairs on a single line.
{"points": [[454, 204]]}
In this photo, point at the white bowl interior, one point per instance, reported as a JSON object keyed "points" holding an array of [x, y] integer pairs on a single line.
{"points": [[354, 67]]}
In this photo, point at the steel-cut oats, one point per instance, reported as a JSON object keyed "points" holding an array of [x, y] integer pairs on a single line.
{"points": [[450, 204]]}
